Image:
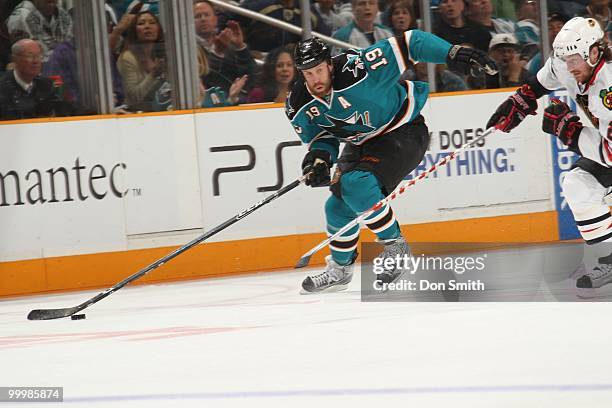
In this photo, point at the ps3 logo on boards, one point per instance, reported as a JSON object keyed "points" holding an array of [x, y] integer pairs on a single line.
{"points": [[60, 184], [251, 164]]}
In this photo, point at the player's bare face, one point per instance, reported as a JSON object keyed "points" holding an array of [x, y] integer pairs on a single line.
{"points": [[578, 67], [319, 79]]}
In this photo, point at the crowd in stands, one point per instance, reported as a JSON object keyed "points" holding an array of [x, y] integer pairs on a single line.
{"points": [[246, 61]]}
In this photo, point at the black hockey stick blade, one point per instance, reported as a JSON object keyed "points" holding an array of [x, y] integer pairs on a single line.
{"points": [[304, 261], [49, 314]]}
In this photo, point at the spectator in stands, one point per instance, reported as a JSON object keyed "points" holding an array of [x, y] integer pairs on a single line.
{"points": [[63, 64], [481, 12], [527, 29], [555, 23], [446, 81], [363, 31], [330, 14], [23, 92], [40, 20], [226, 51], [215, 96], [264, 37], [142, 63], [277, 74], [400, 16], [116, 38], [600, 11], [456, 29], [505, 50]]}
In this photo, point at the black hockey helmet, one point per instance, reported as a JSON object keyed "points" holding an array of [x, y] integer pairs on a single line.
{"points": [[310, 53]]}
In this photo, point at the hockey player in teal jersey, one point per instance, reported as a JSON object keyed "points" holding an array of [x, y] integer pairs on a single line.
{"points": [[356, 98]]}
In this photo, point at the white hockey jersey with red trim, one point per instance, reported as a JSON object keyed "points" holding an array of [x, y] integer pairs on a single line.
{"points": [[595, 99]]}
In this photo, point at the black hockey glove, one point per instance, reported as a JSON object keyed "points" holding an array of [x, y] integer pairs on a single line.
{"points": [[317, 164], [559, 120], [514, 109], [470, 61]]}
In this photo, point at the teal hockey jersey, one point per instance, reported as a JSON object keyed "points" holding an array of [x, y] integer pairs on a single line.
{"points": [[367, 97]]}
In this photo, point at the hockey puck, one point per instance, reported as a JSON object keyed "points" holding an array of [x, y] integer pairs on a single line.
{"points": [[77, 317]]}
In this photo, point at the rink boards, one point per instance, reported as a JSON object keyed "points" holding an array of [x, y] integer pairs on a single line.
{"points": [[86, 202]]}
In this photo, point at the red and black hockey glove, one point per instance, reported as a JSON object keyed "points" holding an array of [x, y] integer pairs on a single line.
{"points": [[559, 120], [317, 164], [514, 109]]}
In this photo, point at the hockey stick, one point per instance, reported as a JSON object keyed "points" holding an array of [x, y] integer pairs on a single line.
{"points": [[305, 259], [47, 314]]}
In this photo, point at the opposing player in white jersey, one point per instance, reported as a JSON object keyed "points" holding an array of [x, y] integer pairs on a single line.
{"points": [[581, 63]]}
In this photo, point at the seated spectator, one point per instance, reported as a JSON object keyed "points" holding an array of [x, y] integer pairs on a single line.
{"points": [[481, 12], [400, 17], [40, 20], [227, 54], [278, 73], [116, 37], [263, 37], [600, 11], [527, 29], [363, 31], [142, 63], [23, 92], [555, 23], [63, 65], [446, 81], [331, 15], [505, 50], [456, 29]]}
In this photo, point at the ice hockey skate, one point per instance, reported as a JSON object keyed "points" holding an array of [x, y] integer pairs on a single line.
{"points": [[393, 248], [589, 284], [335, 278]]}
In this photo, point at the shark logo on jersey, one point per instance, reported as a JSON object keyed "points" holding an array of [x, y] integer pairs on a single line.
{"points": [[606, 97], [350, 128], [353, 63]]}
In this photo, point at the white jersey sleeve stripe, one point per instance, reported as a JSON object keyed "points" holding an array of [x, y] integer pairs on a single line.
{"points": [[401, 64], [407, 37], [410, 110]]}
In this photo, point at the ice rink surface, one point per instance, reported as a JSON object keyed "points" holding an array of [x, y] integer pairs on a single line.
{"points": [[255, 341]]}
